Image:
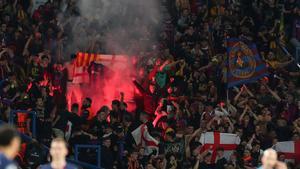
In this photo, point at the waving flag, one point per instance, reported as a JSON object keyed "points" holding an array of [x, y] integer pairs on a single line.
{"points": [[244, 63], [143, 138], [83, 60], [290, 150], [213, 140]]}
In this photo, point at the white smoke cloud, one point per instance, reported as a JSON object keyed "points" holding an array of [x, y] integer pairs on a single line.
{"points": [[115, 26]]}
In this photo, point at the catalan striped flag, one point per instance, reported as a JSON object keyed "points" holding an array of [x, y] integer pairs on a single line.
{"points": [[244, 63], [84, 59]]}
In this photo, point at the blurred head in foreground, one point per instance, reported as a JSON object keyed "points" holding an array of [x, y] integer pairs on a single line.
{"points": [[269, 160], [9, 141], [58, 149]]}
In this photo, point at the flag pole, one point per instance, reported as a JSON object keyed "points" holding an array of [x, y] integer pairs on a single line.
{"points": [[227, 99], [227, 69]]}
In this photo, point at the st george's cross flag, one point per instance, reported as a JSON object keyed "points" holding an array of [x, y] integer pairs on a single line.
{"points": [[289, 149], [213, 140], [244, 63], [143, 138]]}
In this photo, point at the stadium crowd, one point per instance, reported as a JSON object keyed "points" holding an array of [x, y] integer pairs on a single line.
{"points": [[182, 80]]}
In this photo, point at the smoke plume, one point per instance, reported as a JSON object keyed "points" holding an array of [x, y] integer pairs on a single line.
{"points": [[126, 27], [114, 26]]}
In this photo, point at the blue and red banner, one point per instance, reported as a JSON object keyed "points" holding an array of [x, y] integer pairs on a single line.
{"points": [[244, 63]]}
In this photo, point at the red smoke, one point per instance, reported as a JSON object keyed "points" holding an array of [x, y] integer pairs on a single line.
{"points": [[107, 85]]}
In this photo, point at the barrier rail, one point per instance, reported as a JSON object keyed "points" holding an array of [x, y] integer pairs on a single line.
{"points": [[13, 114], [85, 146], [298, 54], [26, 138]]}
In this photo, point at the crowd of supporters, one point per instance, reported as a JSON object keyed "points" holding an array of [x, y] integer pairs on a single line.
{"points": [[182, 78]]}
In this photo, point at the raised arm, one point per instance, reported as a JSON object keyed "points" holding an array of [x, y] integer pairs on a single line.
{"points": [[231, 126], [242, 103], [231, 108], [252, 113], [205, 67], [196, 166], [3, 51], [274, 94], [243, 114], [294, 74], [122, 98], [235, 99], [209, 124], [180, 71], [174, 63], [248, 91], [200, 159], [243, 20], [15, 6], [249, 144], [284, 64], [296, 126], [187, 148], [25, 51]]}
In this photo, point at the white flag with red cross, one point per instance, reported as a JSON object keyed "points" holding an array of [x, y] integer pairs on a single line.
{"points": [[143, 138], [213, 140], [290, 150]]}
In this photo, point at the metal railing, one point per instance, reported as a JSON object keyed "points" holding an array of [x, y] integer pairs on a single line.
{"points": [[297, 54], [32, 115], [85, 146], [26, 138]]}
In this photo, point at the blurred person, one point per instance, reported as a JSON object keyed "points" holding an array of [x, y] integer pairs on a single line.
{"points": [[80, 134], [204, 162], [107, 158], [74, 117], [269, 160], [73, 88], [221, 160], [58, 153], [86, 108], [10, 142], [115, 109], [60, 121], [133, 162], [34, 154]]}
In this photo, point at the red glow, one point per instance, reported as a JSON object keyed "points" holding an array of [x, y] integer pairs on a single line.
{"points": [[134, 60], [29, 87], [222, 104], [45, 80], [105, 87]]}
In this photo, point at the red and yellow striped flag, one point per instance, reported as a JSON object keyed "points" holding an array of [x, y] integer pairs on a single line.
{"points": [[84, 59]]}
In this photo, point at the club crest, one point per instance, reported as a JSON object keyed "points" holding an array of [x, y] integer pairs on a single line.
{"points": [[242, 62]]}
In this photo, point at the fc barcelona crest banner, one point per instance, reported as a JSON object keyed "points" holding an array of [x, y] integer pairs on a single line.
{"points": [[244, 63]]}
